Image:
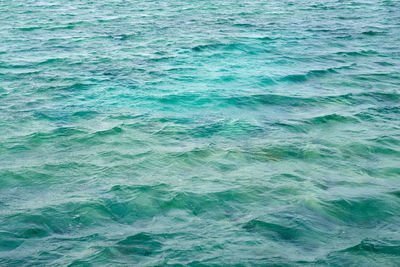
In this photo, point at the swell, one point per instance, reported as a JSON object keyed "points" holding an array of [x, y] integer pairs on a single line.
{"points": [[229, 47], [258, 100], [375, 247], [316, 73], [121, 205]]}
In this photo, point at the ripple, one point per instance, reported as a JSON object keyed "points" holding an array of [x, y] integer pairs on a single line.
{"points": [[199, 133], [142, 244]]}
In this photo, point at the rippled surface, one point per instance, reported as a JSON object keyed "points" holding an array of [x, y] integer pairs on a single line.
{"points": [[199, 132]]}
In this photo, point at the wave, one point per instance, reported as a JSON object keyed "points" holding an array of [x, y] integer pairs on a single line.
{"points": [[31, 28], [331, 119], [361, 53], [258, 100], [223, 46], [374, 246], [297, 78], [373, 33], [142, 243]]}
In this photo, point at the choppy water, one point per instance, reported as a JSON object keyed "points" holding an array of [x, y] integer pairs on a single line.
{"points": [[199, 132]]}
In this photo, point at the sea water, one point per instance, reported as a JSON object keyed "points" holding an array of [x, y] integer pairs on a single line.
{"points": [[182, 132]]}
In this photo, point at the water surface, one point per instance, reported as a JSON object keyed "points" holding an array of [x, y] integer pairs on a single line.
{"points": [[197, 133]]}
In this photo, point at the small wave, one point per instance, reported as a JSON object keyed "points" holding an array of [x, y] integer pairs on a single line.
{"points": [[224, 128], [35, 226], [281, 152], [266, 38], [123, 37], [374, 246], [279, 232], [22, 177], [39, 137], [270, 99], [63, 27], [294, 78], [9, 241], [140, 244], [395, 193], [112, 131], [385, 64], [387, 140], [129, 189], [74, 87], [51, 61], [199, 48], [220, 46], [29, 29], [373, 33], [382, 97], [379, 114], [243, 25], [361, 53], [297, 78], [257, 100], [85, 114], [305, 125], [331, 119], [359, 211], [349, 17]]}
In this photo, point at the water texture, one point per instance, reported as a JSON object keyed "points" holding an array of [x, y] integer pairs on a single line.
{"points": [[199, 133]]}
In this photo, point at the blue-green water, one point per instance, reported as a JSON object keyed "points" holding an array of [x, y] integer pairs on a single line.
{"points": [[195, 133]]}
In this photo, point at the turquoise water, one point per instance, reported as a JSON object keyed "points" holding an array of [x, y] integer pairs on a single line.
{"points": [[197, 133]]}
